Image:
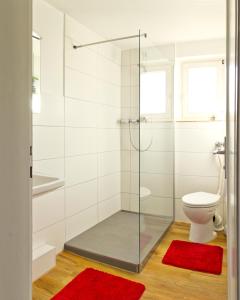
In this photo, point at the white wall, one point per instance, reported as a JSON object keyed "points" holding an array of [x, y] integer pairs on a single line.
{"points": [[76, 136], [92, 133], [48, 127], [196, 169], [207, 48], [15, 133], [129, 110]]}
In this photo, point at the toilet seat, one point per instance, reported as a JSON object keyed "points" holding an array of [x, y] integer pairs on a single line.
{"points": [[201, 199]]}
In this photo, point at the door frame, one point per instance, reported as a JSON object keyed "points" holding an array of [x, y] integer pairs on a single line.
{"points": [[233, 147]]}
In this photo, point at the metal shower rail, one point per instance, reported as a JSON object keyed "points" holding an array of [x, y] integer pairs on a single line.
{"points": [[111, 40]]}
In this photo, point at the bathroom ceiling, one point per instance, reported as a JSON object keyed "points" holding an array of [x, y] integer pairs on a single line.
{"points": [[165, 21]]}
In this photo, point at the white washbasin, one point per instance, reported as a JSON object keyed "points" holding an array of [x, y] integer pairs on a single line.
{"points": [[43, 184]]}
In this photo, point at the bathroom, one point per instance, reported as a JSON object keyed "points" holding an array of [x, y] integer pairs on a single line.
{"points": [[107, 165], [128, 152]]}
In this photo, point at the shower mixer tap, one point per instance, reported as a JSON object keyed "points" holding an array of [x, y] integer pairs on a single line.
{"points": [[134, 121], [219, 148]]}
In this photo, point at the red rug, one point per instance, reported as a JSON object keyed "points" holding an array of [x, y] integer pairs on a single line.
{"points": [[195, 256], [96, 285]]}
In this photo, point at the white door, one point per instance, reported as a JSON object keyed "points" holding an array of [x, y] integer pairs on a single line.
{"points": [[15, 139]]}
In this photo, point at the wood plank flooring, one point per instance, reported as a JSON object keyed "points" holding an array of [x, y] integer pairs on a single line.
{"points": [[162, 282]]}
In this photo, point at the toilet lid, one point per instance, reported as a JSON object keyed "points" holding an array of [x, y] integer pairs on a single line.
{"points": [[201, 199]]}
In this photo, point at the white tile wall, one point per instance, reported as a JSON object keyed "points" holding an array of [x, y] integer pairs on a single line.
{"points": [[48, 127], [48, 142], [52, 111], [113, 113], [108, 93], [160, 206], [108, 140], [81, 222], [198, 164], [156, 162], [77, 85], [80, 141], [126, 183], [77, 134], [109, 207], [162, 138], [81, 197], [196, 169], [80, 169], [125, 160], [190, 184], [109, 162], [198, 139], [156, 165], [159, 184], [78, 32], [80, 113], [92, 131], [109, 186], [86, 62], [50, 28], [49, 167]]}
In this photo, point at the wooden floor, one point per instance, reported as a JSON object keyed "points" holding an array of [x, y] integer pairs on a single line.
{"points": [[161, 281]]}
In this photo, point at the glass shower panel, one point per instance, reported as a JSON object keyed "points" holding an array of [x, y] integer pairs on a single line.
{"points": [[135, 126], [130, 131], [156, 169], [113, 235]]}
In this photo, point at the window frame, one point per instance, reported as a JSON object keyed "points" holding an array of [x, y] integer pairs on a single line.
{"points": [[185, 66], [168, 115]]}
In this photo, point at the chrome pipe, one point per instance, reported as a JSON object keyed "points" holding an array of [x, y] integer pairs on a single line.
{"points": [[216, 152], [110, 40]]}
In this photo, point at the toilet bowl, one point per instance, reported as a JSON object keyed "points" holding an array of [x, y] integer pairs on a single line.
{"points": [[200, 208]]}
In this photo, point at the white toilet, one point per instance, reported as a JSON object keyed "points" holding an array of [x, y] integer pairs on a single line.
{"points": [[200, 208]]}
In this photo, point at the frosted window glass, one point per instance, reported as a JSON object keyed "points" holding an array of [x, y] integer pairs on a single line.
{"points": [[153, 92], [202, 89]]}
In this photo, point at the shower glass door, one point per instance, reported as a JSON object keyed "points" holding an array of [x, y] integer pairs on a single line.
{"points": [[132, 170], [156, 145]]}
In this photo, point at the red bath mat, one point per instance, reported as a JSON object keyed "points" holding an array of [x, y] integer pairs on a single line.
{"points": [[96, 285], [194, 256]]}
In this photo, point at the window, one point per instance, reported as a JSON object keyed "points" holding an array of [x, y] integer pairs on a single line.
{"points": [[203, 90], [155, 92]]}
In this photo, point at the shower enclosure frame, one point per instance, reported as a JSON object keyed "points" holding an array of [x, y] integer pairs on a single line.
{"points": [[157, 242], [154, 235]]}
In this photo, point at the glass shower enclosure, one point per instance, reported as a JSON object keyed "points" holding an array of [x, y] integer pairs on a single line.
{"points": [[127, 238]]}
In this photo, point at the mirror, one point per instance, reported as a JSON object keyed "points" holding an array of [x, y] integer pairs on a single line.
{"points": [[36, 99]]}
